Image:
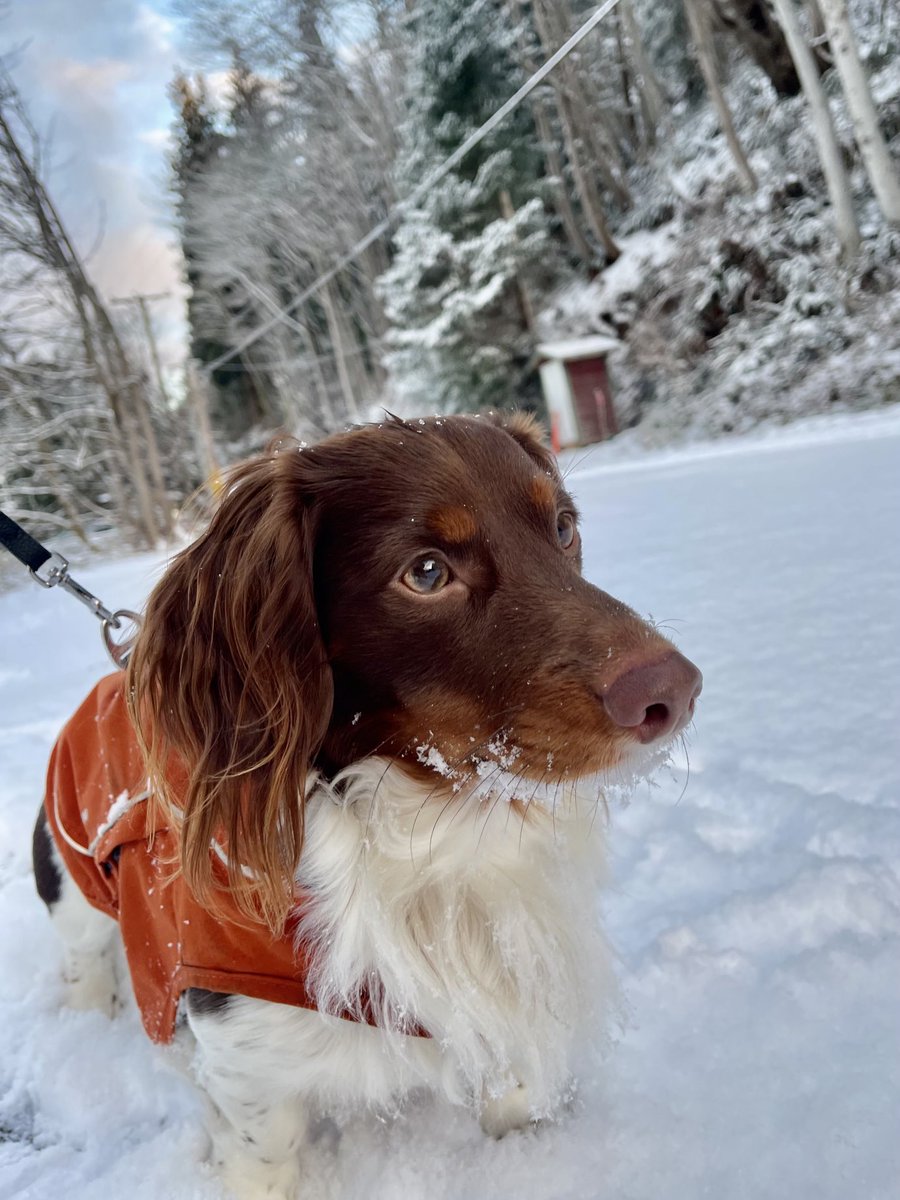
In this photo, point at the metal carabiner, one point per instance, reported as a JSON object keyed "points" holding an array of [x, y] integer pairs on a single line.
{"points": [[57, 569], [56, 574], [120, 651]]}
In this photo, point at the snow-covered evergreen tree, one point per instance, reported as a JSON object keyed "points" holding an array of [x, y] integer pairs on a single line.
{"points": [[299, 170], [457, 293], [199, 142]]}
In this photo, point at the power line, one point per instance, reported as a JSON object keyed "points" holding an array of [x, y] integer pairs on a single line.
{"points": [[423, 188]]}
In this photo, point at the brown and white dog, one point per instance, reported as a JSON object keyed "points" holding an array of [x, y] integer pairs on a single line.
{"points": [[389, 688]]}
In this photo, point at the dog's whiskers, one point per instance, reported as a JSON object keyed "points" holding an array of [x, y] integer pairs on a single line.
{"points": [[687, 758]]}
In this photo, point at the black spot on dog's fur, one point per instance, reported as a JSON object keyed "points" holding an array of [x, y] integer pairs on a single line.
{"points": [[46, 872], [203, 1003]]}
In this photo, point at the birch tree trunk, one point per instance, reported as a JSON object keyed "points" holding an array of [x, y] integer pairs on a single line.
{"points": [[561, 199], [103, 350], [587, 192], [836, 177], [872, 147], [150, 338], [525, 305], [701, 32], [336, 334], [153, 459], [198, 396], [600, 131], [650, 92], [324, 410], [625, 82], [586, 189]]}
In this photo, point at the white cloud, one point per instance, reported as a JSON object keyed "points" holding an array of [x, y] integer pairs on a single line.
{"points": [[157, 139], [98, 85], [156, 27], [142, 258], [98, 79]]}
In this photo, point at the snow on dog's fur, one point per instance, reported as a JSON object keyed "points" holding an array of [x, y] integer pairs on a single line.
{"points": [[388, 684]]}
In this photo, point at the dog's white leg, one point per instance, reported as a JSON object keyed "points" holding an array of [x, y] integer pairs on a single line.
{"points": [[89, 942], [502, 1114], [256, 1129], [89, 937], [255, 1141]]}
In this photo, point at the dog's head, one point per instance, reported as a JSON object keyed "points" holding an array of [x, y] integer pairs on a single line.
{"points": [[411, 589]]}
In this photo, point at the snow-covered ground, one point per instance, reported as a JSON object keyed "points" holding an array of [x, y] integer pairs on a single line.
{"points": [[755, 905]]}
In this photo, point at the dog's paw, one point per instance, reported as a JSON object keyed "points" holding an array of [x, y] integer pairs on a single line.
{"points": [[502, 1114], [249, 1178], [94, 990]]}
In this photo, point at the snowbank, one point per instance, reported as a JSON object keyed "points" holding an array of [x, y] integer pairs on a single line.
{"points": [[755, 905]]}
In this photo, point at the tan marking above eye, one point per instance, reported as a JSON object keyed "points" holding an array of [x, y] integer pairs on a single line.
{"points": [[543, 493], [452, 523]]}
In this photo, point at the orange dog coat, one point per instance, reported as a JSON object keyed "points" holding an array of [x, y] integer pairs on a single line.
{"points": [[97, 799]]}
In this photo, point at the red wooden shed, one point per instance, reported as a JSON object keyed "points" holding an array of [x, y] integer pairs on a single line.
{"points": [[576, 389]]}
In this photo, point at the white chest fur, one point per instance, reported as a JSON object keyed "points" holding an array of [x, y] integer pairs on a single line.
{"points": [[473, 917]]}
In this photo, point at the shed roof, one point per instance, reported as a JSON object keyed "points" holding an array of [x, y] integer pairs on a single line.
{"points": [[594, 346]]}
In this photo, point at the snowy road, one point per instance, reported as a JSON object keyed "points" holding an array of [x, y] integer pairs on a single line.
{"points": [[757, 915]]}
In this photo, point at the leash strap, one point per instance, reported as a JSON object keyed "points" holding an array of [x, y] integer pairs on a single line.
{"points": [[22, 545], [34, 556]]}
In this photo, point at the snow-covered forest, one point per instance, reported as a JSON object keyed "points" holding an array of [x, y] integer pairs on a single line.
{"points": [[712, 182]]}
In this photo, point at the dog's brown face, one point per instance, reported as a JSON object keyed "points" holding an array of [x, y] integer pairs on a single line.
{"points": [[455, 617], [407, 589]]}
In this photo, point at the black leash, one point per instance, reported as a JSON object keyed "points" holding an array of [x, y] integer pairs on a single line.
{"points": [[50, 569]]}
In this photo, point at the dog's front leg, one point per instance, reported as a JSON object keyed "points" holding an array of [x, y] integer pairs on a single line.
{"points": [[502, 1114], [89, 937], [255, 1143], [257, 1124]]}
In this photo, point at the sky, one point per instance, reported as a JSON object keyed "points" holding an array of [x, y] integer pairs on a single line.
{"points": [[94, 74]]}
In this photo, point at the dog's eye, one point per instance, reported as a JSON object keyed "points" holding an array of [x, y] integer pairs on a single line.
{"points": [[427, 575], [566, 530]]}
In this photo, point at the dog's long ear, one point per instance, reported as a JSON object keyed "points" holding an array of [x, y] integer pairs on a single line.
{"points": [[229, 684]]}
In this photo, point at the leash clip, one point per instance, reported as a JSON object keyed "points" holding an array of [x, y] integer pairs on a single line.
{"points": [[56, 568], [50, 569], [55, 573]]}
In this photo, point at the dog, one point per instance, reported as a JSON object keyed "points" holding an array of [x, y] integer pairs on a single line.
{"points": [[347, 822]]}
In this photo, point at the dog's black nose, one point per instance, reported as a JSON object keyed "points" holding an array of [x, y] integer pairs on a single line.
{"points": [[654, 700]]}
